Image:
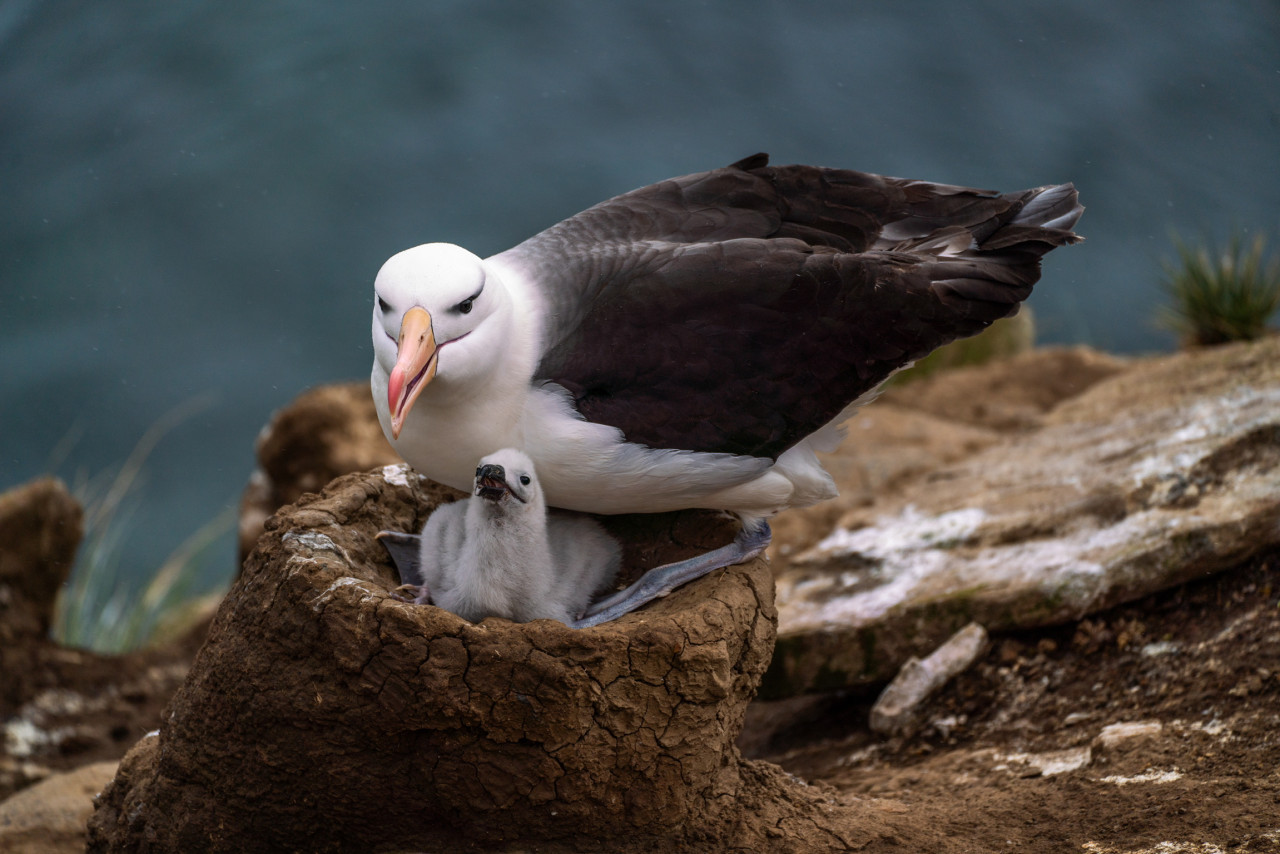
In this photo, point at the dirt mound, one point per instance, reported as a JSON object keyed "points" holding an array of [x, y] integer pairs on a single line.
{"points": [[63, 708], [323, 714], [1151, 727]]}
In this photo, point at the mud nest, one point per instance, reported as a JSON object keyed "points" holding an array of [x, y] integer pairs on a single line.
{"points": [[324, 715]]}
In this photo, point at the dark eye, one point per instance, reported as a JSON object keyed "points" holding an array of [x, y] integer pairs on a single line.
{"points": [[382, 305], [464, 307], [524, 479]]}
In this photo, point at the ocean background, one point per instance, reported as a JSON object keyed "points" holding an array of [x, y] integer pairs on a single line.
{"points": [[195, 197]]}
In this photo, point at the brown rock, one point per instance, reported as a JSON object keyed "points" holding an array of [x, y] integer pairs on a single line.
{"points": [[1163, 473], [62, 707], [887, 445], [324, 715], [1009, 394], [920, 426], [49, 817], [40, 530], [326, 432]]}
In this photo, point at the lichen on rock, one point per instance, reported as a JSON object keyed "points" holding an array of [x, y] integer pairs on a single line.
{"points": [[1157, 475]]}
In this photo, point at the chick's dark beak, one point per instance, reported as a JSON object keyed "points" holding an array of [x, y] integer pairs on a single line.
{"points": [[491, 482]]}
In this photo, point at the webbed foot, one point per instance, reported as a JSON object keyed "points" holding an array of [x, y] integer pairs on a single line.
{"points": [[661, 580], [405, 550], [414, 594]]}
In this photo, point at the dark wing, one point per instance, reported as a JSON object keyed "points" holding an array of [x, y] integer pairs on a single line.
{"points": [[741, 309]]}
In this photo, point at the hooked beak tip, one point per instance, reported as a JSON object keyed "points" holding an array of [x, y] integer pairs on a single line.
{"points": [[415, 366]]}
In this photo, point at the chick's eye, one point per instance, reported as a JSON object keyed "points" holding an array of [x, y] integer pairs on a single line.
{"points": [[464, 307], [524, 479]]}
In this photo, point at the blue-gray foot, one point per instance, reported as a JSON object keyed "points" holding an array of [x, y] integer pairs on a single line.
{"points": [[404, 550], [661, 580]]}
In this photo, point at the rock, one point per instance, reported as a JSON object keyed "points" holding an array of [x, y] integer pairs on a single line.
{"points": [[1113, 735], [74, 707], [897, 711], [920, 426], [1011, 394], [49, 818], [1163, 473], [326, 432], [61, 707], [40, 529], [324, 715]]}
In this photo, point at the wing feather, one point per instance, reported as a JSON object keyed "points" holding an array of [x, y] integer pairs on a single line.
{"points": [[741, 309]]}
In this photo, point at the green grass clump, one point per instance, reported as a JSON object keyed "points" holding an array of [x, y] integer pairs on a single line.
{"points": [[99, 608], [1220, 296]]}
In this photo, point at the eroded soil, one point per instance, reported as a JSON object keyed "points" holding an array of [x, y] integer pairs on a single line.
{"points": [[1026, 752]]}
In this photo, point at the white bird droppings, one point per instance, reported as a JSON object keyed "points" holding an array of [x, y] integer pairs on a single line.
{"points": [[346, 581], [397, 474], [1114, 734], [1148, 777], [912, 531]]}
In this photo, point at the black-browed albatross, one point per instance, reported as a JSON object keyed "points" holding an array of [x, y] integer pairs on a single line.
{"points": [[692, 343]]}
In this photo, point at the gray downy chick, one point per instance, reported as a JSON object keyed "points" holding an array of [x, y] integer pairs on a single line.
{"points": [[500, 554]]}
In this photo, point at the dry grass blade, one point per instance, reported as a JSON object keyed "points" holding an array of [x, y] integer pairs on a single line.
{"points": [[99, 608]]}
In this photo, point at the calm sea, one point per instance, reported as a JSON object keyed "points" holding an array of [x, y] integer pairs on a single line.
{"points": [[195, 197]]}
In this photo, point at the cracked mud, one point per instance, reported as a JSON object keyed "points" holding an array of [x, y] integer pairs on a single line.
{"points": [[323, 714]]}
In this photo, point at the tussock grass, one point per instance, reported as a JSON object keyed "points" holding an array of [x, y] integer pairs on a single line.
{"points": [[1218, 295], [100, 608]]}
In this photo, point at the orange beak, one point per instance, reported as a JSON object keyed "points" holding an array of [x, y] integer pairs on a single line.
{"points": [[415, 365]]}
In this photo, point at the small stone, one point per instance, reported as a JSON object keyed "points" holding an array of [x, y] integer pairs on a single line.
{"points": [[1115, 734], [50, 816], [897, 711]]}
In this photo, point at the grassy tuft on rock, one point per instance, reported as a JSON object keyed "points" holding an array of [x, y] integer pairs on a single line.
{"points": [[1220, 295]]}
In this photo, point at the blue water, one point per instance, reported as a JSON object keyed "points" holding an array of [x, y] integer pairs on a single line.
{"points": [[195, 197]]}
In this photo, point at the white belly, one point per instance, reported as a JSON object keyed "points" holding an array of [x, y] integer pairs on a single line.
{"points": [[589, 467]]}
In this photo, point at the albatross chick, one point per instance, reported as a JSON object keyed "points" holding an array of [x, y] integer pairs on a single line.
{"points": [[499, 553]]}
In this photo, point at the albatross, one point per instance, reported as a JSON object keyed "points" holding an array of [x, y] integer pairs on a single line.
{"points": [[499, 553], [694, 343]]}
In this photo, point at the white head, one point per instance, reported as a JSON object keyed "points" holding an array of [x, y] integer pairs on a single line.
{"points": [[507, 483], [438, 317]]}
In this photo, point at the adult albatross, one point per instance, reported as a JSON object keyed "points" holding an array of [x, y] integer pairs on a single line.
{"points": [[692, 343]]}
